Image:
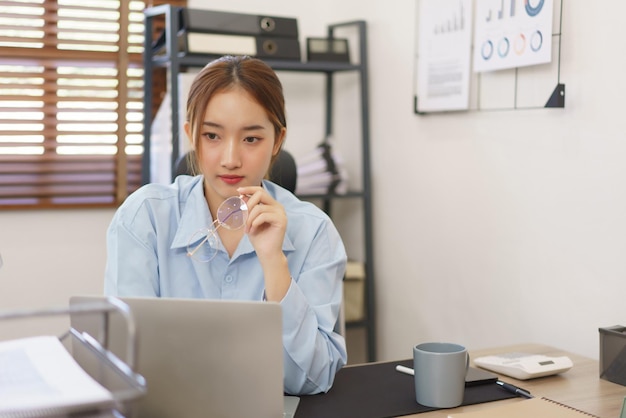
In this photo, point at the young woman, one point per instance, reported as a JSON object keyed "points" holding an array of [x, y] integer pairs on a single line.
{"points": [[172, 241]]}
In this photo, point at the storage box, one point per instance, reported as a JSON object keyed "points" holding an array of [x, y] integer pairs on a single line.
{"points": [[613, 354], [354, 292]]}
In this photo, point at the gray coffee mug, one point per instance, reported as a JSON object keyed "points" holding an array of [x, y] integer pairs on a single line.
{"points": [[440, 370]]}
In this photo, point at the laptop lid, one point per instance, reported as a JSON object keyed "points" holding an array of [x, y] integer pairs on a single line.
{"points": [[200, 357]]}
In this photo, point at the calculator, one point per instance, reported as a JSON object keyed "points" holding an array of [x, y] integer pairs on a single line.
{"points": [[524, 366]]}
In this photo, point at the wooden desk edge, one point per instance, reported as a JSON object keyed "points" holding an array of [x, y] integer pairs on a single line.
{"points": [[580, 387]]}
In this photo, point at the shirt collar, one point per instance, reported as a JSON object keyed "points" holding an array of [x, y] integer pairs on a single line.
{"points": [[194, 214], [190, 222]]}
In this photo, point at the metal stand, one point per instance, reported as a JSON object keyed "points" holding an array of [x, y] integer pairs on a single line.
{"points": [[93, 355]]}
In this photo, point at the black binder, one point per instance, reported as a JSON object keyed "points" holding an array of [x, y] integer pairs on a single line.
{"points": [[194, 43], [210, 21]]}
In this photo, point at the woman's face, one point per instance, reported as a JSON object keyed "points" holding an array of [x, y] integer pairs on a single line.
{"points": [[235, 144]]}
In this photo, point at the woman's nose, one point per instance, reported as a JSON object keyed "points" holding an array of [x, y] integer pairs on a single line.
{"points": [[230, 155]]}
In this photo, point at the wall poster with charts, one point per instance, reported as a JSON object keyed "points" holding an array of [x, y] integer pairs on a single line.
{"points": [[444, 32], [512, 33], [486, 55]]}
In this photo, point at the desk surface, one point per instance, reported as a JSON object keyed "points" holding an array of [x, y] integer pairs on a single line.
{"points": [[579, 387]]}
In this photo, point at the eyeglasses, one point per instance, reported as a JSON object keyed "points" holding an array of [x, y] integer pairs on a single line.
{"points": [[204, 244]]}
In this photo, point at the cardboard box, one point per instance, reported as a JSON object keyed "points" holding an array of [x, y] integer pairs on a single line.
{"points": [[354, 291]]}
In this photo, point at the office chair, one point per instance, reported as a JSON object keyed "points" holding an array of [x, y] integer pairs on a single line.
{"points": [[283, 172]]}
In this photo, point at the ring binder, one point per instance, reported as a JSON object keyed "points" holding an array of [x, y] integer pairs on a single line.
{"points": [[210, 21], [209, 32], [196, 43], [570, 407]]}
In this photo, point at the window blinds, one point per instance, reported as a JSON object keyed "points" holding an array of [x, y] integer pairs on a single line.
{"points": [[71, 110]]}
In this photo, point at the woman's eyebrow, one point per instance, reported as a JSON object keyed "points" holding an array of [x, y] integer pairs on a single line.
{"points": [[211, 124], [254, 127]]}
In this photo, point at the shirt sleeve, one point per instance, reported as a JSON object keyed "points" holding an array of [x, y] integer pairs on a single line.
{"points": [[132, 265], [313, 351]]}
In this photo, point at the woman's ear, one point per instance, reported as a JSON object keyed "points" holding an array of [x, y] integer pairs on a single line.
{"points": [[187, 127]]}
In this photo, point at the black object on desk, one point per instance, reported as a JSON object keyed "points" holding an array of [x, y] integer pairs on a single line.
{"points": [[514, 389], [613, 354], [378, 390]]}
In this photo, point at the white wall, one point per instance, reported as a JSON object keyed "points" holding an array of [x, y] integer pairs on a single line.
{"points": [[512, 224], [49, 256]]}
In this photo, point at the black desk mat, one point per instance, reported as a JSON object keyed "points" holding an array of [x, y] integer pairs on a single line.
{"points": [[378, 391]]}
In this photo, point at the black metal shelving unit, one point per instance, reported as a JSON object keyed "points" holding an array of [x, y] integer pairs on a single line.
{"points": [[176, 61]]}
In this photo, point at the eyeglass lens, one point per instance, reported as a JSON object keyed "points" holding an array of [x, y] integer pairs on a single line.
{"points": [[232, 213], [204, 244]]}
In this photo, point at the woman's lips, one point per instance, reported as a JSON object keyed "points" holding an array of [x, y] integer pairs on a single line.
{"points": [[231, 179]]}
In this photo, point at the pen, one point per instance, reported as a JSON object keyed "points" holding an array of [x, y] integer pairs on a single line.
{"points": [[514, 389], [406, 370]]}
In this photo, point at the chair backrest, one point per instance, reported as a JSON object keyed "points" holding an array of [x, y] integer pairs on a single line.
{"points": [[283, 172]]}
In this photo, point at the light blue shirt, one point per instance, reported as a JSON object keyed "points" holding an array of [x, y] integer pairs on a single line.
{"points": [[147, 256]]}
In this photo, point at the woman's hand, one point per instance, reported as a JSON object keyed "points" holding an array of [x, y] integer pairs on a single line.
{"points": [[267, 221], [266, 227]]}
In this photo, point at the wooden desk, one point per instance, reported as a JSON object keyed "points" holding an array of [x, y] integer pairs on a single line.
{"points": [[579, 387]]}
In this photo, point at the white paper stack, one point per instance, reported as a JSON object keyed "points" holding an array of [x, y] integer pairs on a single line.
{"points": [[321, 172], [39, 377]]}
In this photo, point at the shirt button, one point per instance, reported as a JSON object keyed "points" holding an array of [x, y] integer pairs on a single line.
{"points": [[228, 279]]}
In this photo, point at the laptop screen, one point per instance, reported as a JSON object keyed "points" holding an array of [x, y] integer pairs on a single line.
{"points": [[200, 357]]}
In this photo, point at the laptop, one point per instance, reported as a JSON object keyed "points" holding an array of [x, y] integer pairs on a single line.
{"points": [[200, 357]]}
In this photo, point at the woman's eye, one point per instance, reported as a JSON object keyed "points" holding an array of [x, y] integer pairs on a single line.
{"points": [[209, 135], [252, 139]]}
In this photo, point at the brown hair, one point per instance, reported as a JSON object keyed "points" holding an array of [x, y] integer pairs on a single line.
{"points": [[253, 75]]}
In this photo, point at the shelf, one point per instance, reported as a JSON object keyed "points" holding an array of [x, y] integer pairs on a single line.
{"points": [[278, 65], [357, 324], [171, 58]]}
